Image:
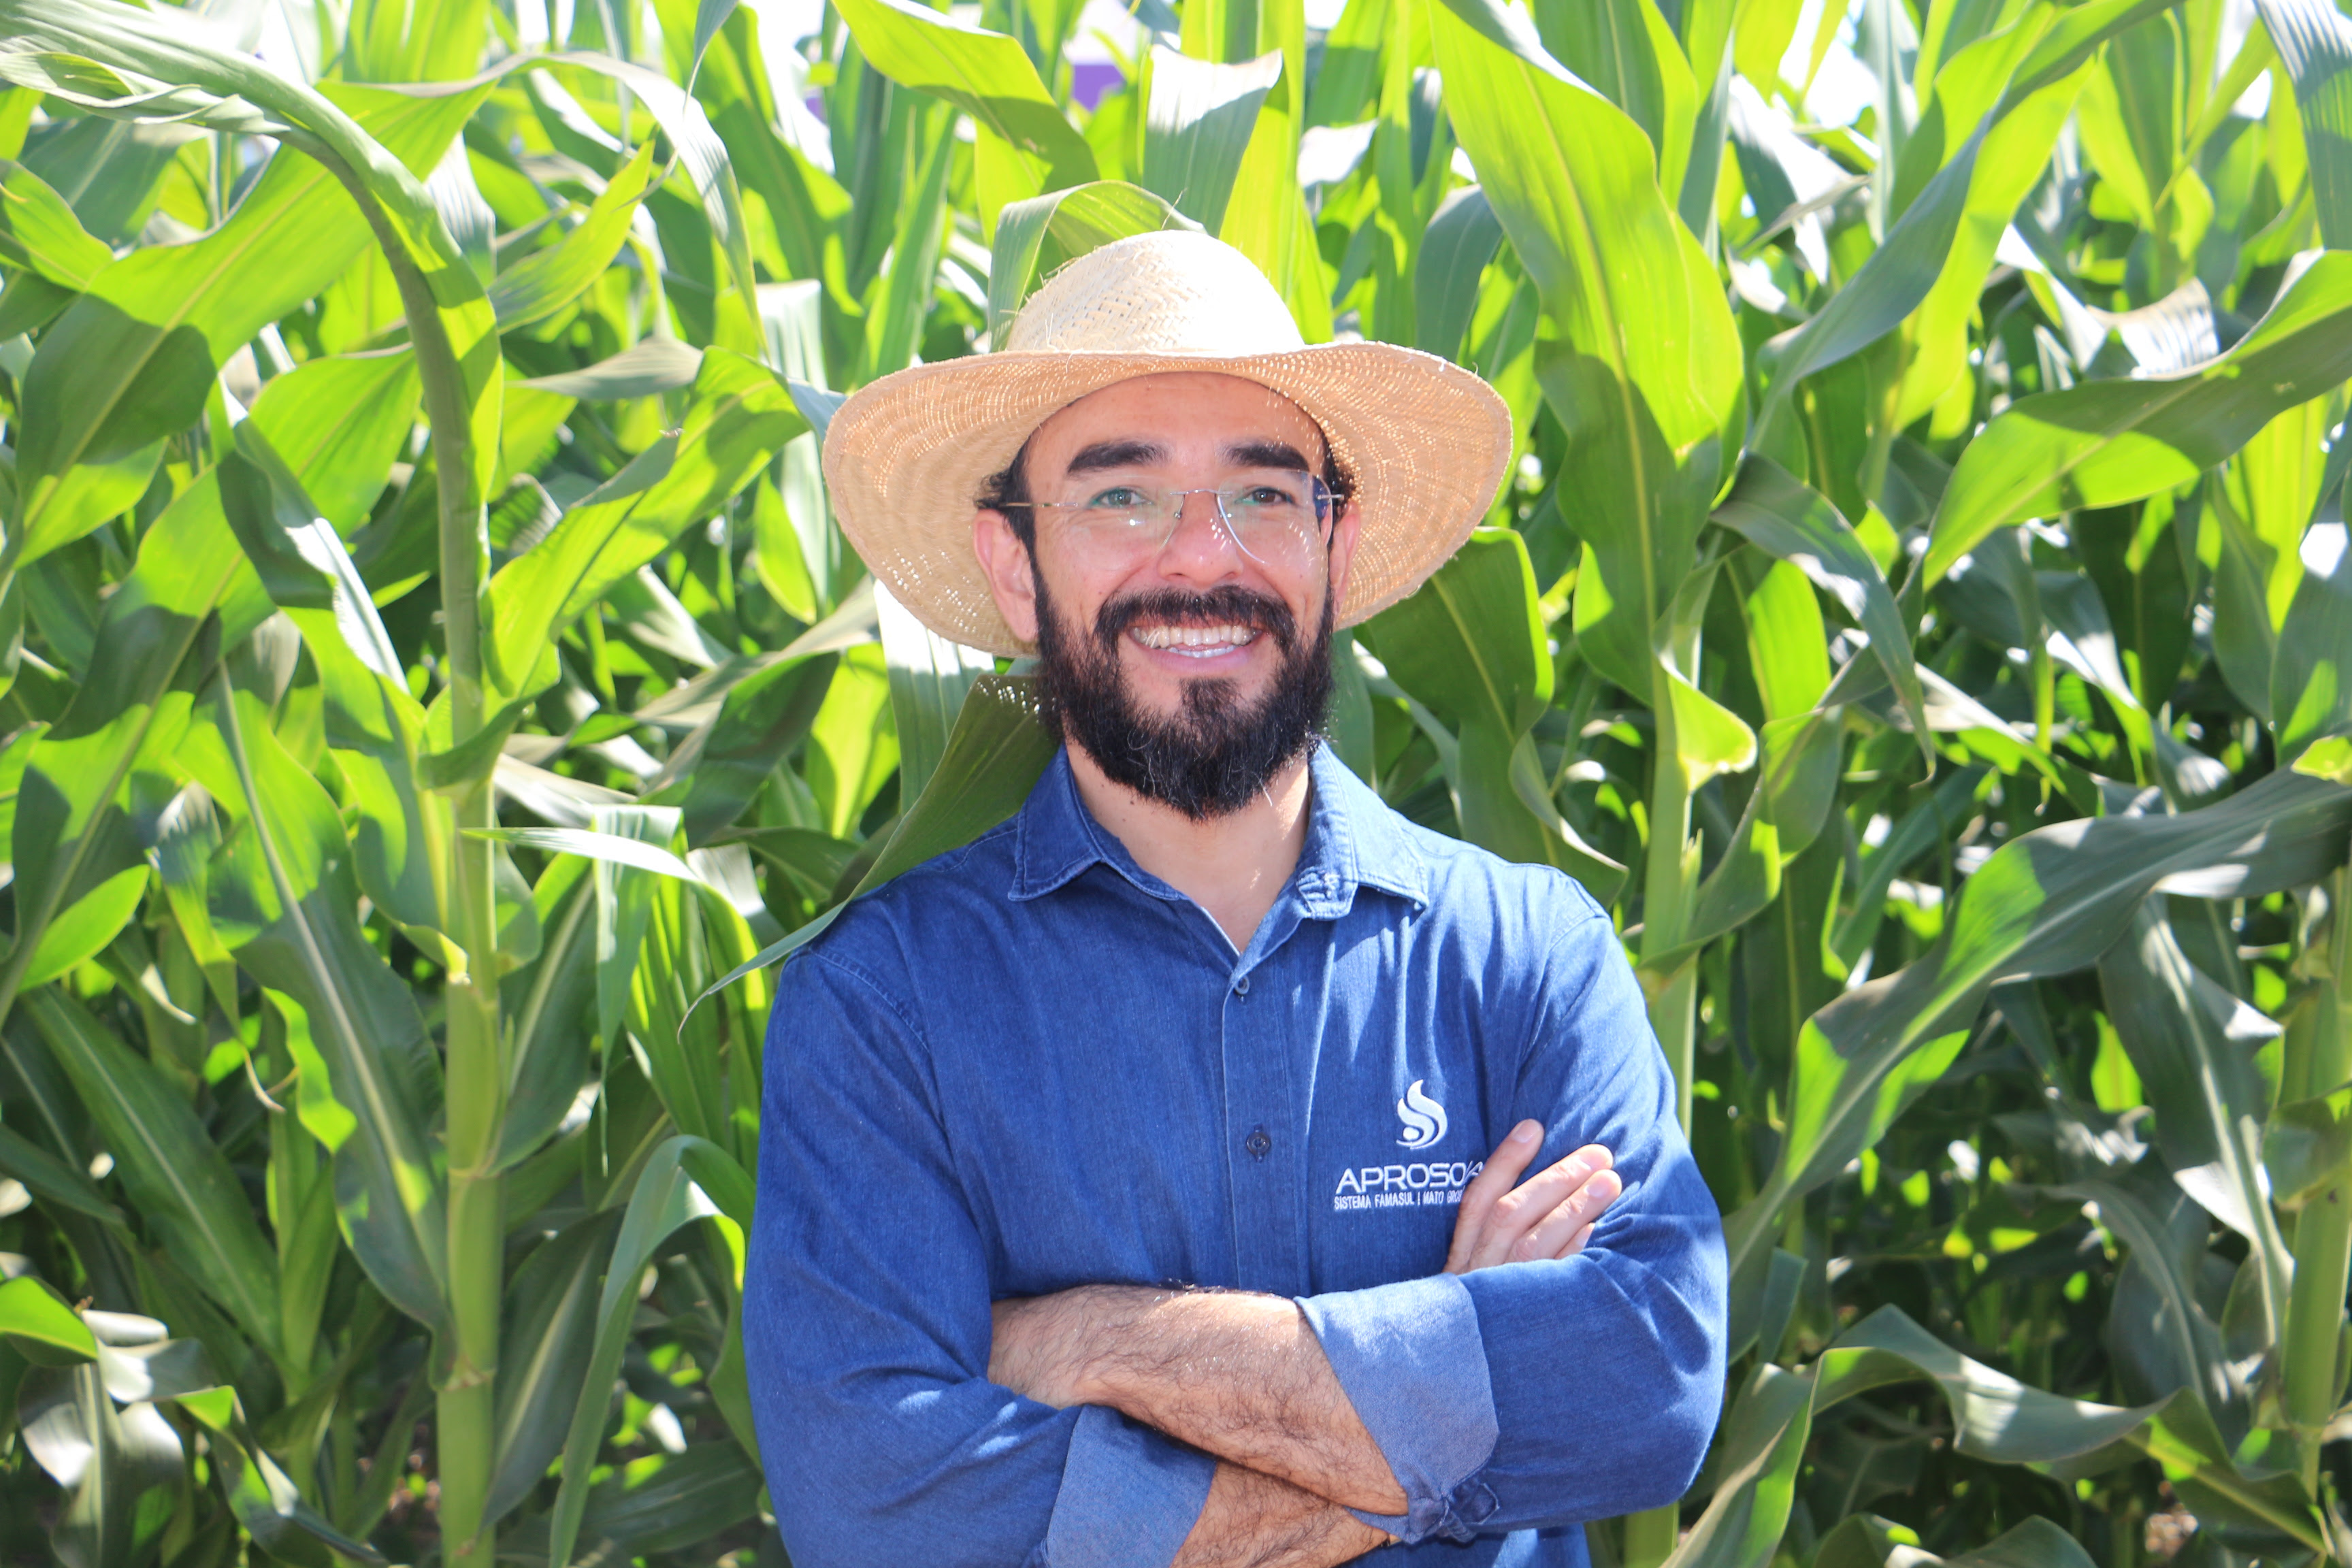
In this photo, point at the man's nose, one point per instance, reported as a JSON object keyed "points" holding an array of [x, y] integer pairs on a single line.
{"points": [[1203, 545]]}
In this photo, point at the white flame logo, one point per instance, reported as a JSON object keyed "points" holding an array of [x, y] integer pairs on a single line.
{"points": [[1423, 1118]]}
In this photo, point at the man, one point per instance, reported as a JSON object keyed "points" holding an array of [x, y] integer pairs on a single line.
{"points": [[1120, 1193]]}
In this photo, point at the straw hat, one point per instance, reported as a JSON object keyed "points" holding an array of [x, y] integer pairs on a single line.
{"points": [[1425, 442]]}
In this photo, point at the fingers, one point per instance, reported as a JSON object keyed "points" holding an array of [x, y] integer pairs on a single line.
{"points": [[1563, 1231], [1519, 1212], [1549, 1215], [1478, 1199]]}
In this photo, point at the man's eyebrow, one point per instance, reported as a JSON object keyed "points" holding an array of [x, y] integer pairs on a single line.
{"points": [[1266, 454], [1121, 454]]}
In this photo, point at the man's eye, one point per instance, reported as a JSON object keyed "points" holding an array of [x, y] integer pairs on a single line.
{"points": [[1267, 495], [1118, 497]]}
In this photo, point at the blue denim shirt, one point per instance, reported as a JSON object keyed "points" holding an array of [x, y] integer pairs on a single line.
{"points": [[1030, 1064]]}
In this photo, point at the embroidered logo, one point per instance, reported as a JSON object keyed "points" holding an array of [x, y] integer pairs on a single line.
{"points": [[1423, 1118]]}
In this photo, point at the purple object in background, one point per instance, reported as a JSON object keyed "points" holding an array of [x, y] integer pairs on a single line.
{"points": [[1090, 80]]}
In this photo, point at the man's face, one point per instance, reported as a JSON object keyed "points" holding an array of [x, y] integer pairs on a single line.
{"points": [[1190, 662]]}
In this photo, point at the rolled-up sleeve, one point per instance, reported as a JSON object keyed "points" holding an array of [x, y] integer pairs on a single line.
{"points": [[1539, 1394], [866, 1330]]}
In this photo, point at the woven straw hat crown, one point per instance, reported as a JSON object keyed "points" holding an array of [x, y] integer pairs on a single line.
{"points": [[1174, 292], [1423, 442]]}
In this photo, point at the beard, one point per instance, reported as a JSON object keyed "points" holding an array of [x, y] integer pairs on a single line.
{"points": [[1217, 752]]}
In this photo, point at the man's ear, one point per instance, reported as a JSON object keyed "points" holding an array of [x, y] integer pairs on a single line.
{"points": [[1346, 530], [1005, 561]]}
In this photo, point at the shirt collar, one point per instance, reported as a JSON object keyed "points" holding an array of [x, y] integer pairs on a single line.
{"points": [[1353, 840]]}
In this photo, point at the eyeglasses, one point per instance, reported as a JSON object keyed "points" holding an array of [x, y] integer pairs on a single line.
{"points": [[1268, 512]]}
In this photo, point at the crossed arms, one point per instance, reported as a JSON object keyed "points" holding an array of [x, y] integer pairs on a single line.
{"points": [[1242, 1375], [899, 1421]]}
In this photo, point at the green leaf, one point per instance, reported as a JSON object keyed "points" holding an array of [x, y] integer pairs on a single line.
{"points": [[665, 1502], [283, 898], [174, 1176], [545, 281], [895, 317], [121, 1467], [42, 1325], [666, 1199], [1461, 238], [740, 417], [1994, 1416], [993, 759], [1471, 643], [81, 930], [2314, 44], [263, 1498], [1266, 217], [52, 1180], [69, 832], [2046, 904], [2104, 443], [1196, 128], [545, 1339], [131, 361], [987, 75], [805, 204], [1762, 1443], [2035, 1543], [339, 422], [547, 1001], [853, 748], [38, 230], [2192, 1044], [1626, 51], [1796, 524], [1710, 740], [2013, 154], [374, 725], [1644, 370], [648, 366], [1898, 278], [2306, 1147], [930, 677], [611, 847], [2310, 696]]}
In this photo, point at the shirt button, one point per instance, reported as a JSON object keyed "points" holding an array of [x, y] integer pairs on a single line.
{"points": [[1241, 986], [1257, 1142]]}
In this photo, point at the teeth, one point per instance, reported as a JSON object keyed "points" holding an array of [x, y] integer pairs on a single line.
{"points": [[1206, 639]]}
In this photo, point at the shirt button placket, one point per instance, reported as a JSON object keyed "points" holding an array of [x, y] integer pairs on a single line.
{"points": [[1256, 1102]]}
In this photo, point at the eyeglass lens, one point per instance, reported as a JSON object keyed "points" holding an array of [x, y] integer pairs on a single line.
{"points": [[1264, 508]]}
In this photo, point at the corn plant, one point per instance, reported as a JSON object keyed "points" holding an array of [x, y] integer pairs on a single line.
{"points": [[436, 693]]}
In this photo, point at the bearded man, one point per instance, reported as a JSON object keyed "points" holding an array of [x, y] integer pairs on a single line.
{"points": [[1148, 1182]]}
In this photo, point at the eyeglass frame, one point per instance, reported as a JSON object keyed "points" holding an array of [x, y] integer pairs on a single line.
{"points": [[1330, 502]]}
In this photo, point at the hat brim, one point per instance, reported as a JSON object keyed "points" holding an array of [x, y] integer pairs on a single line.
{"points": [[1425, 442]]}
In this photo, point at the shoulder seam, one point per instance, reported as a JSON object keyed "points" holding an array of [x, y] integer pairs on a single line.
{"points": [[872, 983]]}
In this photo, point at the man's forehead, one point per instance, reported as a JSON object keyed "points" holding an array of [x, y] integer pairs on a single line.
{"points": [[1174, 404]]}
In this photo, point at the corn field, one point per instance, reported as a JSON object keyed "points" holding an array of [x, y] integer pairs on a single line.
{"points": [[436, 694]]}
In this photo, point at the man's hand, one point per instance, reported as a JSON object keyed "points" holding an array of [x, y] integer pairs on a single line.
{"points": [[1237, 1374], [1257, 1521], [1549, 1216]]}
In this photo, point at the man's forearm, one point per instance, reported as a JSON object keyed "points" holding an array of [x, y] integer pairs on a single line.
{"points": [[1238, 1374], [1253, 1520]]}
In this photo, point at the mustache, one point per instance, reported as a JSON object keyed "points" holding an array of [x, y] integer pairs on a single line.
{"points": [[1230, 605]]}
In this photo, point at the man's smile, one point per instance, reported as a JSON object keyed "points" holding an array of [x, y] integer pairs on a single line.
{"points": [[1195, 642]]}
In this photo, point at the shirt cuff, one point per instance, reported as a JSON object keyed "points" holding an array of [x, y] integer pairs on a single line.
{"points": [[1130, 1496], [1410, 1358]]}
